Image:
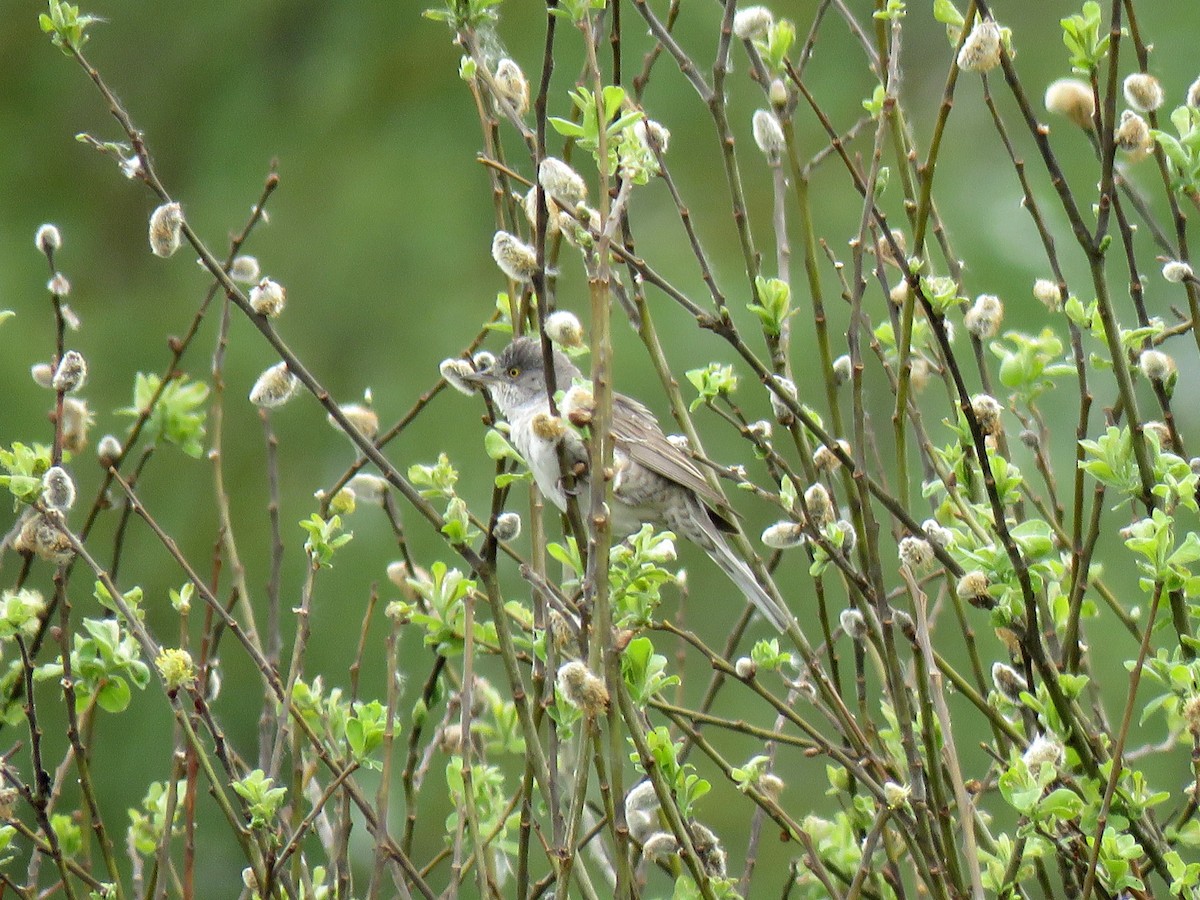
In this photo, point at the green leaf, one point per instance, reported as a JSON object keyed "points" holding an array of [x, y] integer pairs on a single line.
{"points": [[114, 695]]}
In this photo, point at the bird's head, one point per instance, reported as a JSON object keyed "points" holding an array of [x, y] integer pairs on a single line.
{"points": [[517, 377]]}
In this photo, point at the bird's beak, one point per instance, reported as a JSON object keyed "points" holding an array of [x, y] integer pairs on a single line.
{"points": [[479, 379]]}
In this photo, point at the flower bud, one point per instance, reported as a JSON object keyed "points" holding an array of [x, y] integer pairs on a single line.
{"points": [[761, 430], [987, 410], [783, 414], [768, 134], [1193, 95], [1072, 98], [368, 488], [1191, 714], [660, 846], [58, 285], [529, 202], [48, 239], [275, 387], [166, 229], [895, 795], [58, 490], [507, 527], [562, 182], [1156, 365], [398, 574], [1143, 92], [1042, 751], [582, 688], [514, 257], [826, 460], [365, 419], [43, 535], [843, 369], [268, 298], [43, 375], [984, 317], [915, 552], [771, 785], [108, 451], [562, 327], [1008, 682], [1175, 271], [981, 50], [752, 22], [777, 93], [1133, 135], [972, 587], [578, 404], [1047, 293], [708, 850], [344, 502], [745, 668], [512, 85], [1159, 430], [854, 624], [653, 134], [819, 505], [76, 420], [904, 622], [244, 270], [71, 373], [783, 535], [564, 633], [849, 536], [453, 370], [176, 668]]}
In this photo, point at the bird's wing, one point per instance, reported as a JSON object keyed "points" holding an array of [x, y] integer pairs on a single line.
{"points": [[637, 431]]}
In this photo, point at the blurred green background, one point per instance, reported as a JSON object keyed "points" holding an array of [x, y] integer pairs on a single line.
{"points": [[381, 229]]}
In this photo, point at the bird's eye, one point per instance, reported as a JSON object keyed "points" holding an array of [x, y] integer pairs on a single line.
{"points": [[514, 371]]}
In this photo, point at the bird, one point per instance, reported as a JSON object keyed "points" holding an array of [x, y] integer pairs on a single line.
{"points": [[654, 481]]}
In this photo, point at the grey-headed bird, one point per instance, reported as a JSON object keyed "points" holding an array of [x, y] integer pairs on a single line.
{"points": [[654, 481]]}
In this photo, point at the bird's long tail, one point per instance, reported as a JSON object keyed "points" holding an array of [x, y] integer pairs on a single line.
{"points": [[739, 573]]}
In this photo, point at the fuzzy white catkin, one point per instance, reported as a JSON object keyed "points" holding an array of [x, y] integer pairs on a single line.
{"points": [[268, 298], [108, 450], [71, 373], [455, 370], [752, 22], [563, 327], [562, 182], [768, 135], [515, 258], [1072, 98], [981, 50], [1143, 92], [42, 374], [361, 417], [244, 270], [512, 85], [783, 535], [1175, 271], [58, 490], [166, 229], [507, 527], [1047, 293], [275, 387], [48, 238]]}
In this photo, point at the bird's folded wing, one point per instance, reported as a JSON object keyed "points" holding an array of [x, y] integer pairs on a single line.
{"points": [[637, 431]]}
